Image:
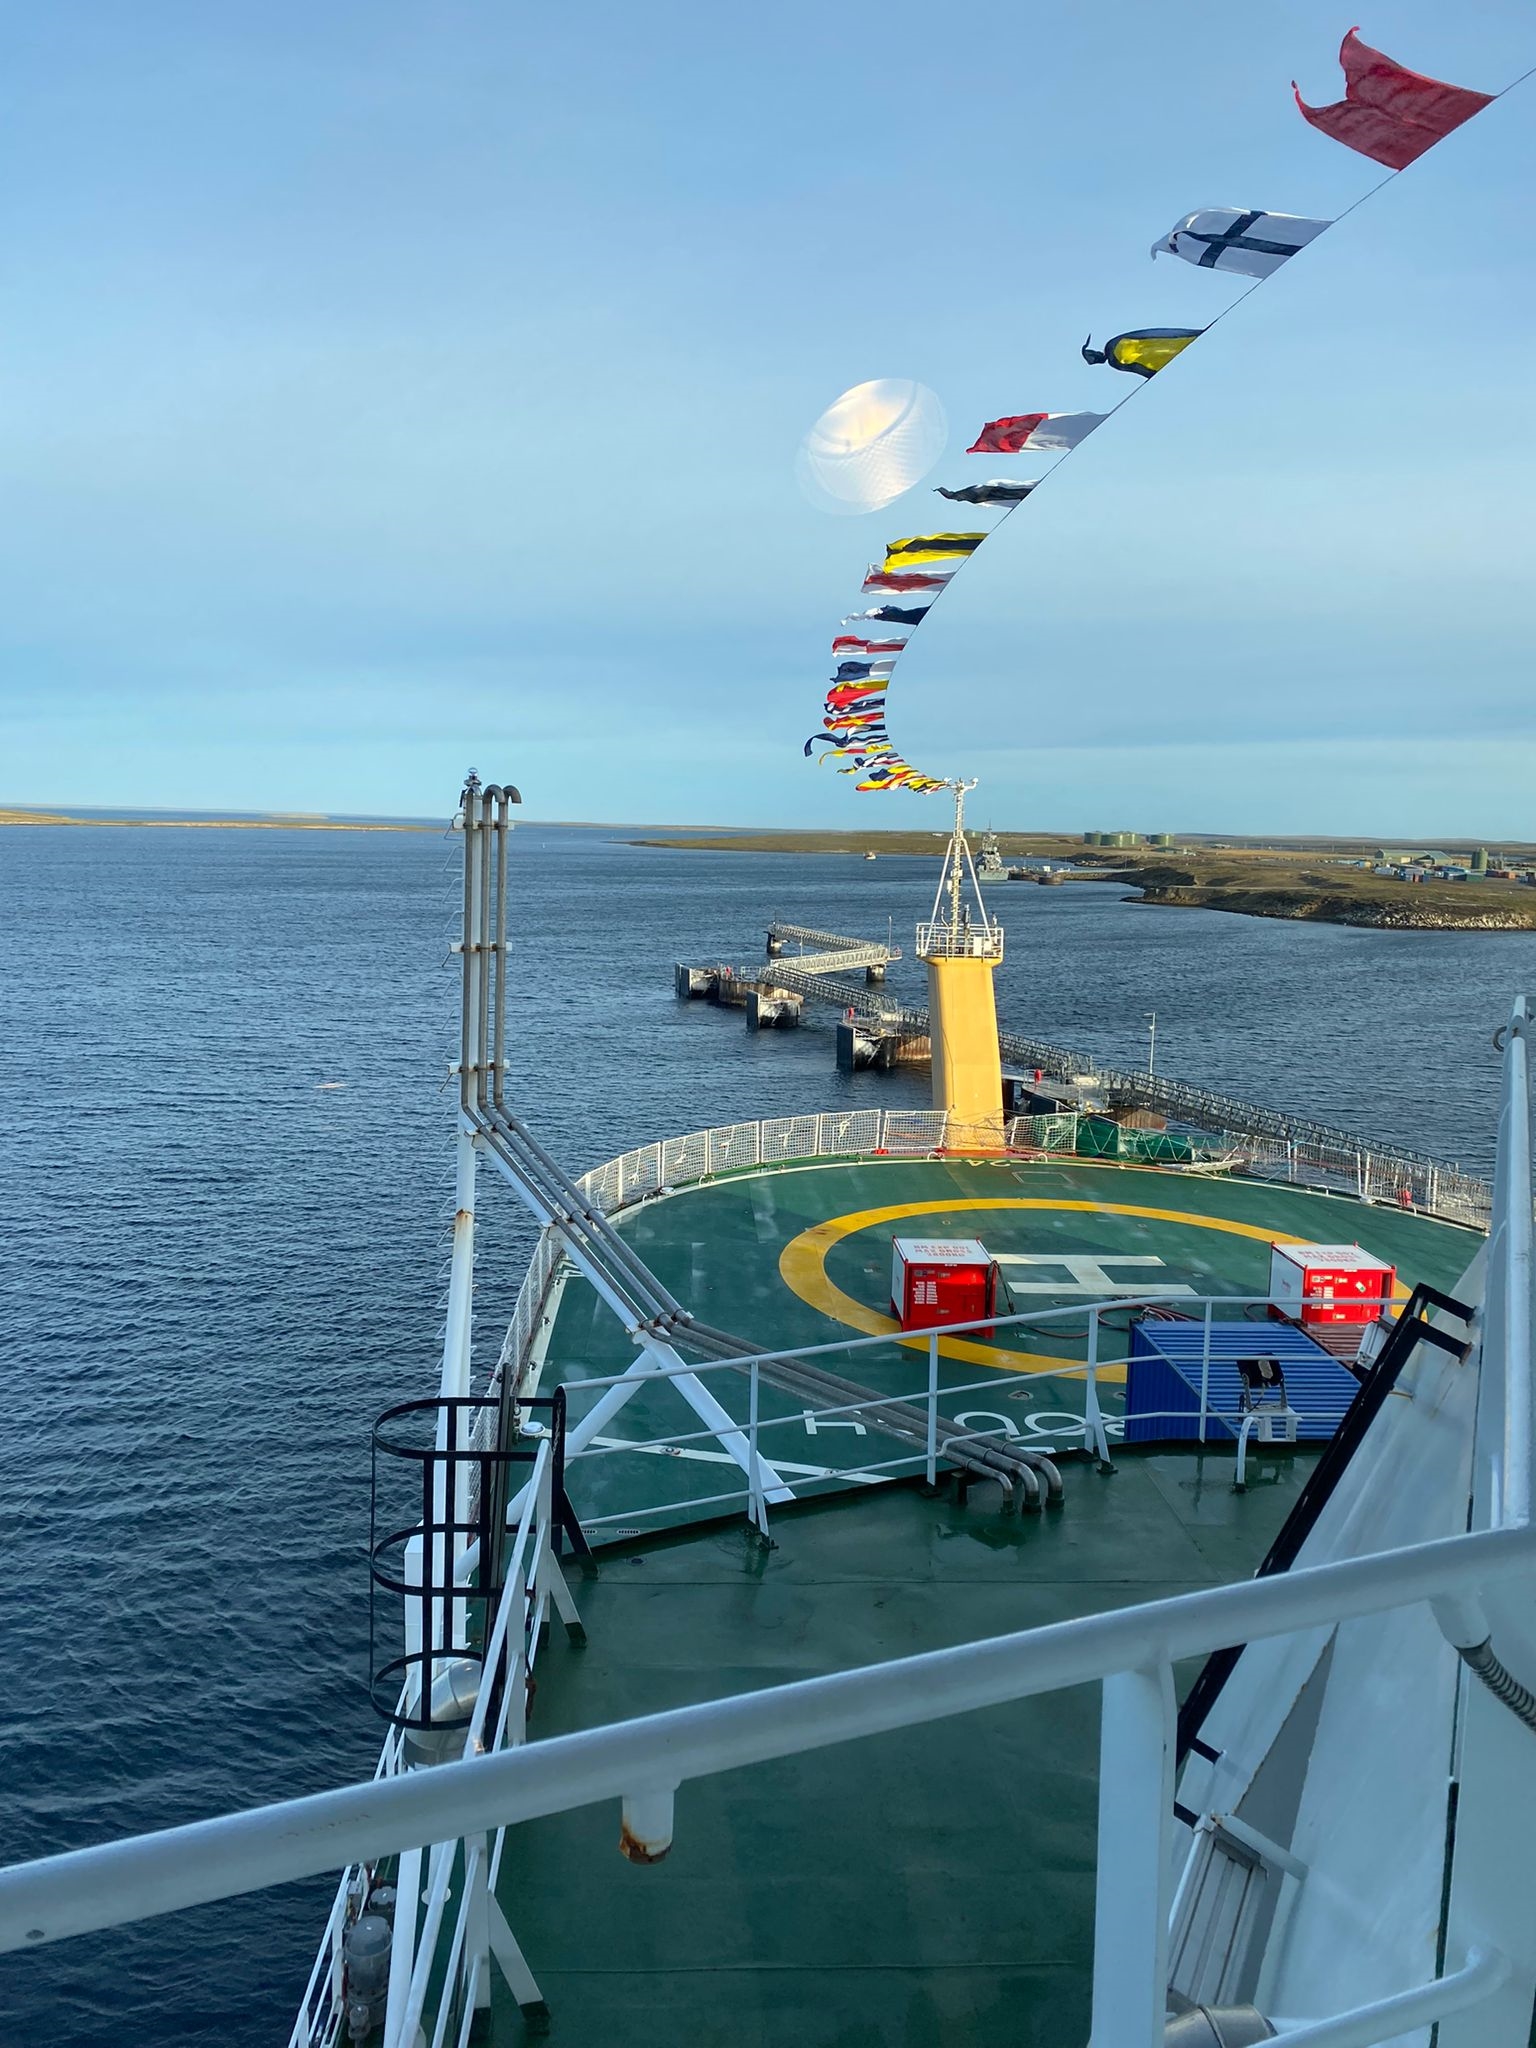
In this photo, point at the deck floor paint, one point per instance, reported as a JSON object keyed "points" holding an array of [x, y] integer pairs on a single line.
{"points": [[934, 1884], [799, 1256]]}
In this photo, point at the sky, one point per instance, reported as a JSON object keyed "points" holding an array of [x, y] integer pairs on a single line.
{"points": [[387, 389]]}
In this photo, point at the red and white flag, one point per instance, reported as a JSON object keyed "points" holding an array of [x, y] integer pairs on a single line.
{"points": [[850, 643], [1049, 432], [1389, 113], [906, 579]]}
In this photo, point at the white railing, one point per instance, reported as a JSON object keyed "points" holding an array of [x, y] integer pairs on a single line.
{"points": [[1046, 1433], [1392, 1179], [1130, 1652], [506, 1668], [322, 2009], [944, 941], [1370, 1174]]}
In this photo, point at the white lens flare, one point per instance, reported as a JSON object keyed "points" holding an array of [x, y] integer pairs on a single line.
{"points": [[870, 445]]}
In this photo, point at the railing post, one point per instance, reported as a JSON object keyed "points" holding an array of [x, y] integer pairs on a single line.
{"points": [[1093, 1415], [933, 1408], [757, 1505], [475, 1962], [1130, 1936], [517, 1659], [402, 1955], [1205, 1367]]}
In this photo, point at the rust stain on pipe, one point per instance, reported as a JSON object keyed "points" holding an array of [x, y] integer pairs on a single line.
{"points": [[631, 1846]]}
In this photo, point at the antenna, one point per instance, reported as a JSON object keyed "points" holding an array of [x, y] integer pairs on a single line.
{"points": [[951, 929]]}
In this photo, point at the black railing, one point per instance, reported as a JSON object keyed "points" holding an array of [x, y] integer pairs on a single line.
{"points": [[448, 1496]]}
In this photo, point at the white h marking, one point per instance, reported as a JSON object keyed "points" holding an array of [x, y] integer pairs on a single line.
{"points": [[1089, 1275]]}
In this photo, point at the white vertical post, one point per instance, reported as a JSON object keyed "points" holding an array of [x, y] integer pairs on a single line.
{"points": [[757, 1507], [1496, 1805], [454, 1383], [450, 1622], [475, 1961], [1205, 1368], [933, 1408], [517, 1659], [402, 1955], [1093, 1416], [461, 1274], [1130, 1938]]}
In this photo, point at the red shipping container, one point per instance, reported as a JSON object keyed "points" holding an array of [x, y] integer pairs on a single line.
{"points": [[1329, 1283], [941, 1280]]}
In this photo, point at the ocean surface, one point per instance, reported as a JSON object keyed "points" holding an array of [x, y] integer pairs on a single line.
{"points": [[225, 1172]]}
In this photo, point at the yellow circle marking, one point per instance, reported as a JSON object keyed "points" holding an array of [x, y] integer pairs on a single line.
{"points": [[803, 1268]]}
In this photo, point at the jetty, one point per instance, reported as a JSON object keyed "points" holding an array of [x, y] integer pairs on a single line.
{"points": [[872, 1030], [775, 994]]}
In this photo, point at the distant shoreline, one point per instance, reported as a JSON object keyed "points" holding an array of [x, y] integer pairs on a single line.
{"points": [[1307, 886], [15, 817]]}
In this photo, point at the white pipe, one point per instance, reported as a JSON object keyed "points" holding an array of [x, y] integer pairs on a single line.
{"points": [[1484, 1971], [456, 1339], [116, 1882], [1518, 1273]]}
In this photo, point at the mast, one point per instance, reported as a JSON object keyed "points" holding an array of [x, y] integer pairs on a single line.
{"points": [[963, 948]]}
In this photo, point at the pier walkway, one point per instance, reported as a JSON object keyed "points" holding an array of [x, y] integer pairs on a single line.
{"points": [[879, 1032]]}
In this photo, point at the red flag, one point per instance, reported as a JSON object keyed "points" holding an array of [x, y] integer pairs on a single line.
{"points": [[848, 642], [907, 579], [1388, 112], [1007, 437]]}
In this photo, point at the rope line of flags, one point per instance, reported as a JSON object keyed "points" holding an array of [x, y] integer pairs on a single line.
{"points": [[1389, 114]]}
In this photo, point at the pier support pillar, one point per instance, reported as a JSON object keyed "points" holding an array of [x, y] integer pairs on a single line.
{"points": [[772, 1009]]}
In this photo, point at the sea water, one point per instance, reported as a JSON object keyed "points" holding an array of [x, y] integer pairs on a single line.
{"points": [[225, 1182]]}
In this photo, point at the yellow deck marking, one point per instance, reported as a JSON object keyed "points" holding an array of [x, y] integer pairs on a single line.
{"points": [[803, 1268]]}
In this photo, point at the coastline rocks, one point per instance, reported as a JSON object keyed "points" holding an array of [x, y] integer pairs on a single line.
{"points": [[1327, 909]]}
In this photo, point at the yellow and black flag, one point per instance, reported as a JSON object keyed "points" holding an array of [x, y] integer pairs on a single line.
{"points": [[930, 547], [1143, 352]]}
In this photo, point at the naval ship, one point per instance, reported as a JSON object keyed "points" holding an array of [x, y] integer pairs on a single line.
{"points": [[932, 1577]]}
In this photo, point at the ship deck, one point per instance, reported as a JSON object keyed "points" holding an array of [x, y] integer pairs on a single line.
{"points": [[930, 1885], [801, 1255], [936, 1883]]}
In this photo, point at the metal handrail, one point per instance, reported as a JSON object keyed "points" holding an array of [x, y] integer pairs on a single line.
{"points": [[86, 1890], [668, 1164], [501, 1671], [1353, 1166], [944, 941], [644, 1760]]}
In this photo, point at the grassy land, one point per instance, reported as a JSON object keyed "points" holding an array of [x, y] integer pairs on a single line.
{"points": [[1283, 885], [1046, 845], [1287, 880], [274, 824]]}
